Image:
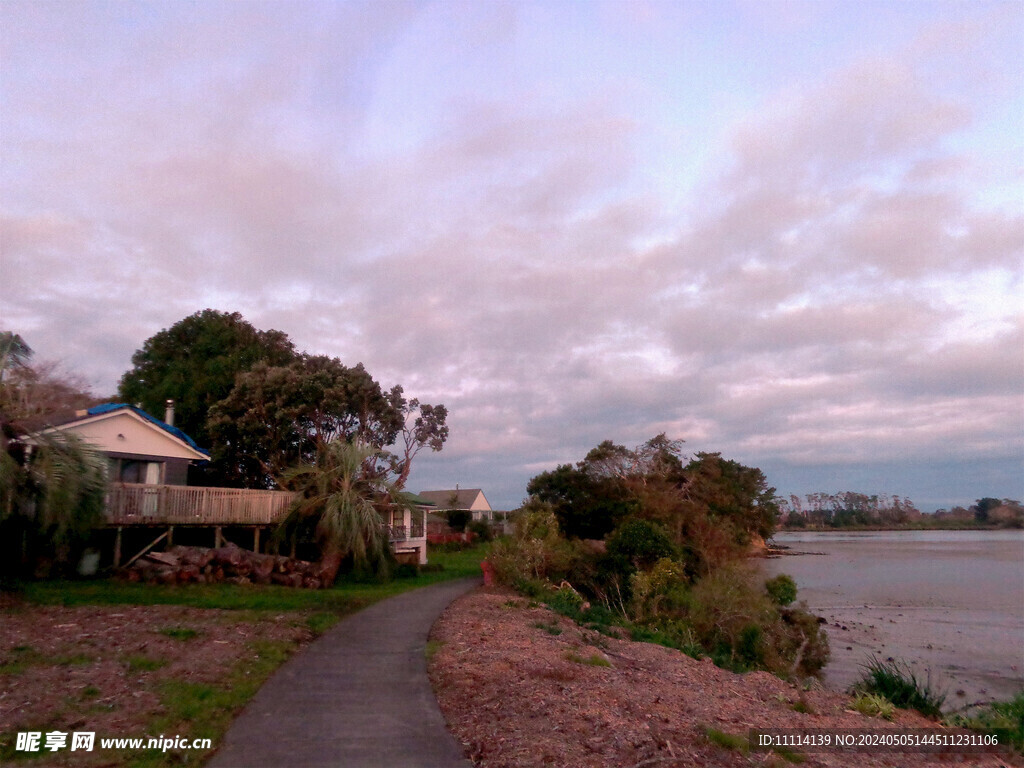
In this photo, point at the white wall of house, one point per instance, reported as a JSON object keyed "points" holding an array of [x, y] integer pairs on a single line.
{"points": [[418, 544], [126, 432]]}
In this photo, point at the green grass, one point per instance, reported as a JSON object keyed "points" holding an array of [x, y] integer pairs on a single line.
{"points": [[1004, 719], [790, 755], [727, 740], [345, 597], [550, 627], [433, 646], [593, 660], [140, 663], [180, 633], [802, 707], [202, 710], [873, 705], [25, 657], [896, 682]]}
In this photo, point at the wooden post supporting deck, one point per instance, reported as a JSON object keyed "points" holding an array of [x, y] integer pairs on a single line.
{"points": [[256, 539], [146, 549], [117, 548], [216, 537], [170, 536]]}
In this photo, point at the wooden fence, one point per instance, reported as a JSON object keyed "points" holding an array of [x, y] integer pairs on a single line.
{"points": [[142, 504]]}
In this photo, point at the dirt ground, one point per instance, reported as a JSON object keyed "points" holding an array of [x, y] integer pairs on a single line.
{"points": [[522, 687], [101, 669]]}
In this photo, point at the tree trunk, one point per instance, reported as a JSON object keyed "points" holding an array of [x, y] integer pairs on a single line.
{"points": [[328, 565]]}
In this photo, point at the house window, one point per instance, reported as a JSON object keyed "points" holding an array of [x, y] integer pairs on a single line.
{"points": [[135, 471]]}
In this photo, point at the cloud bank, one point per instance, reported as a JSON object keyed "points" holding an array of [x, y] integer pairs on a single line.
{"points": [[564, 223]]}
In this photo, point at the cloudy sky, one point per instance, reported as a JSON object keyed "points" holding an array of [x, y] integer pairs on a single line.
{"points": [[792, 232]]}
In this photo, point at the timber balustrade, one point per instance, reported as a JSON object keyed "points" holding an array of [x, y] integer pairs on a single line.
{"points": [[140, 503], [144, 504]]}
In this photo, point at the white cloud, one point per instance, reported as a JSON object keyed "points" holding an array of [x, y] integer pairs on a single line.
{"points": [[831, 294]]}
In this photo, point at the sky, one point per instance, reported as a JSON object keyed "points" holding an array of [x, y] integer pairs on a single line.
{"points": [[790, 232]]}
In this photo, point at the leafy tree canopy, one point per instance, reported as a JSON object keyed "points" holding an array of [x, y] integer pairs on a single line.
{"points": [[195, 363], [587, 507], [709, 507], [262, 407], [277, 416], [731, 491], [31, 391]]}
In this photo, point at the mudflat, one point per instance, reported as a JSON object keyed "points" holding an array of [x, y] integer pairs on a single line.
{"points": [[950, 603]]}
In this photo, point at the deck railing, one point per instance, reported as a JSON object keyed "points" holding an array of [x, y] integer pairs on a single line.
{"points": [[404, 532], [139, 503]]}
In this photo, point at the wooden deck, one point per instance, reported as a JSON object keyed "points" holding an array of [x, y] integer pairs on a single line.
{"points": [[141, 504]]}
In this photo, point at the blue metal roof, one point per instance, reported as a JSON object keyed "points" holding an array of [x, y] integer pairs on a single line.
{"points": [[96, 410]]}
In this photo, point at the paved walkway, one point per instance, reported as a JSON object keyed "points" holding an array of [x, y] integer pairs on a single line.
{"points": [[358, 697]]}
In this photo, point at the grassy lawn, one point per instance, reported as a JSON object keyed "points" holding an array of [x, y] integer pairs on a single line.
{"points": [[185, 707], [346, 596]]}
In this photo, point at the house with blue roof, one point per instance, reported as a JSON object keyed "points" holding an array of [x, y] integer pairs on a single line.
{"points": [[140, 447]]}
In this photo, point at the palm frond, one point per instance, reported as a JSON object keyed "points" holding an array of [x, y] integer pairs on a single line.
{"points": [[344, 493]]}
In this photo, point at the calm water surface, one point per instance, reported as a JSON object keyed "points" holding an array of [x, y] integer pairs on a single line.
{"points": [[950, 602]]}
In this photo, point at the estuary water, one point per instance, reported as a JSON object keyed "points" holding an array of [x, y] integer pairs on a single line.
{"points": [[950, 603]]}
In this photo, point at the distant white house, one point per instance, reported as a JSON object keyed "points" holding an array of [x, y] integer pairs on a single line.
{"points": [[471, 499]]}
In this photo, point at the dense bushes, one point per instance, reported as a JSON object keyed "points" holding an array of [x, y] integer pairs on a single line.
{"points": [[639, 583], [670, 566]]}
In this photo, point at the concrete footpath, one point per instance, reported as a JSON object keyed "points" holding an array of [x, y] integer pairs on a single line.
{"points": [[358, 697]]}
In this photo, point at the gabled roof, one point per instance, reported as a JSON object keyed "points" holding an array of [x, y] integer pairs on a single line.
{"points": [[463, 498], [108, 410], [96, 410], [412, 498]]}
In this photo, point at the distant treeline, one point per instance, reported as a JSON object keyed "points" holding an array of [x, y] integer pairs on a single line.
{"points": [[858, 510]]}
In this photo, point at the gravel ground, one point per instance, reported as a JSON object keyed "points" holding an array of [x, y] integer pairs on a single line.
{"points": [[523, 687]]}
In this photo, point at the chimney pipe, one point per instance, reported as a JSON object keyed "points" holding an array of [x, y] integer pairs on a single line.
{"points": [[169, 413]]}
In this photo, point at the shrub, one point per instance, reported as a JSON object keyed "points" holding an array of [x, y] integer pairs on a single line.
{"points": [[651, 589], [724, 607], [567, 601], [897, 682], [802, 641], [781, 589], [1004, 719], [407, 571], [873, 705], [742, 628], [534, 551], [641, 543], [458, 519], [481, 529]]}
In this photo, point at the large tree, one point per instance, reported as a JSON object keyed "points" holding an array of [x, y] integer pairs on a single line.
{"points": [[195, 363], [586, 506], [732, 492], [279, 416], [710, 507]]}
